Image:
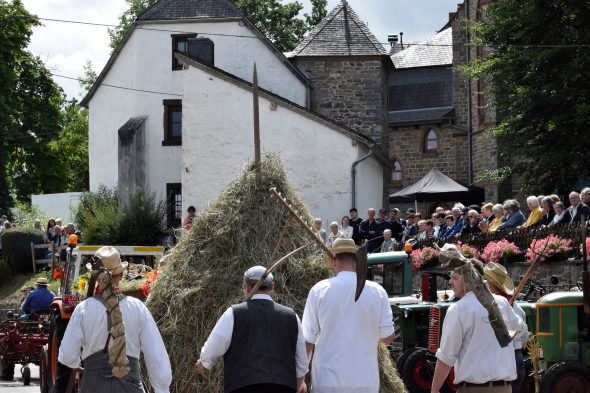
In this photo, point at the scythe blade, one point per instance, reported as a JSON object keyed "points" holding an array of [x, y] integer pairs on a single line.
{"points": [[361, 270]]}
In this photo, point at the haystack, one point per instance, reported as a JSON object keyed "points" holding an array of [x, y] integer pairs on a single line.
{"points": [[202, 276]]}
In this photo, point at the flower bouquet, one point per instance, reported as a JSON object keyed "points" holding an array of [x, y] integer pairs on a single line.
{"points": [[468, 251], [500, 250], [551, 247], [423, 257]]}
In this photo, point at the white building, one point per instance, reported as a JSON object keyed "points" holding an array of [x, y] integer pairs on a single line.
{"points": [[184, 131]]}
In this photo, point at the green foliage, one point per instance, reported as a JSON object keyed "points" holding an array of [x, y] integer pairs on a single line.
{"points": [[25, 215], [16, 247], [5, 271], [89, 77], [103, 221], [279, 21], [538, 72]]}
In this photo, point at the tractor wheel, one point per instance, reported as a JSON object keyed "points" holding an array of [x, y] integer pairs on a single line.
{"points": [[57, 328], [26, 375], [566, 377], [417, 373], [401, 360], [6, 370], [43, 371]]}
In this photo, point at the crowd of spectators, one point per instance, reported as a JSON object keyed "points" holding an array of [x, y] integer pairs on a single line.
{"points": [[385, 229]]}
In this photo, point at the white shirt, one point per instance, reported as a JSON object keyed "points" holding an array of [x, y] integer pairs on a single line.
{"points": [[220, 339], [469, 344], [522, 337], [86, 334], [331, 237], [346, 232], [346, 334]]}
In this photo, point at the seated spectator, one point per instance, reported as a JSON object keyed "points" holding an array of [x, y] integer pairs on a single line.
{"points": [[187, 223], [562, 215], [472, 227], [487, 213], [458, 221], [450, 221], [345, 229], [389, 244], [514, 218], [321, 232], [439, 225], [57, 238], [577, 208], [333, 235], [38, 300], [536, 212], [49, 233], [585, 196], [498, 218], [411, 229], [548, 212], [426, 234], [37, 226]]}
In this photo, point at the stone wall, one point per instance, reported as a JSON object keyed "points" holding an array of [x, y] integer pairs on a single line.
{"points": [[350, 91]]}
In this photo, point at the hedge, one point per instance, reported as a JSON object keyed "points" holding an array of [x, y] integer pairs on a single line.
{"points": [[16, 247]]}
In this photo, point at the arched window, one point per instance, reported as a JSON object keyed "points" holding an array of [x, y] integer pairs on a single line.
{"points": [[395, 174], [430, 141]]}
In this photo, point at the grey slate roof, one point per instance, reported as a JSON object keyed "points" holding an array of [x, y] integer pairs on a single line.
{"points": [[191, 9], [436, 51], [340, 33], [420, 116]]}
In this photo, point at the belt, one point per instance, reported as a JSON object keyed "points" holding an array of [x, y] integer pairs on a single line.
{"points": [[485, 384]]}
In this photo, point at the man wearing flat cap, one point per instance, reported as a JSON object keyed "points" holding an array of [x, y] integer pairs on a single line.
{"points": [[108, 331], [38, 300], [501, 284], [344, 334], [261, 343]]}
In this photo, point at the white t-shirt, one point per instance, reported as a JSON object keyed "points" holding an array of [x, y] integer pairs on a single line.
{"points": [[346, 334], [469, 344]]}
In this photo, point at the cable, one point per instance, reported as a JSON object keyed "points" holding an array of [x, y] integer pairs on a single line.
{"points": [[120, 87]]}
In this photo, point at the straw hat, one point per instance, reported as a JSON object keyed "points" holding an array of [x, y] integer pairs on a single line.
{"points": [[342, 246], [497, 275], [111, 260], [41, 281]]}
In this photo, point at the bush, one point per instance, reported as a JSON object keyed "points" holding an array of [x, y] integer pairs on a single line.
{"points": [[16, 247], [5, 271], [102, 220]]}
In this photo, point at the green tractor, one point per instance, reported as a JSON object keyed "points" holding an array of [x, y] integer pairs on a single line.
{"points": [[563, 334]]}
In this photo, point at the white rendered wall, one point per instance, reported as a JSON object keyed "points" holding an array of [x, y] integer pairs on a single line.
{"points": [[61, 205], [145, 63], [217, 117]]}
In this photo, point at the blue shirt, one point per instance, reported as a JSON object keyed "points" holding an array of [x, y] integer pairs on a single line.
{"points": [[40, 299], [455, 229]]}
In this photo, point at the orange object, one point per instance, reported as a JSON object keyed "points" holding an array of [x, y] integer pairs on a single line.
{"points": [[408, 248], [72, 240]]}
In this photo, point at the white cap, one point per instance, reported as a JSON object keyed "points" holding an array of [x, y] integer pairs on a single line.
{"points": [[255, 272]]}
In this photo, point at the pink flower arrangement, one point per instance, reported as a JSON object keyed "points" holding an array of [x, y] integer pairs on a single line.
{"points": [[494, 251], [542, 249], [423, 256], [468, 251]]}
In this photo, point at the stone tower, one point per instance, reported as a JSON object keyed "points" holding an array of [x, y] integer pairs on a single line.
{"points": [[347, 68]]}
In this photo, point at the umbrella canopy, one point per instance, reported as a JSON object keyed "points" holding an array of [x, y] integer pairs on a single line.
{"points": [[435, 186]]}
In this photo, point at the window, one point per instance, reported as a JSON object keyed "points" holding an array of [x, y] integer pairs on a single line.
{"points": [[172, 123], [395, 174], [430, 141], [200, 49], [174, 204]]}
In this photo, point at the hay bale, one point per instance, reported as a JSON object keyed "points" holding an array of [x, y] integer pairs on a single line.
{"points": [[202, 276]]}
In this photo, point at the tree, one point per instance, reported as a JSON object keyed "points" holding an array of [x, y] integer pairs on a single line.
{"points": [[279, 22], [30, 116], [538, 68]]}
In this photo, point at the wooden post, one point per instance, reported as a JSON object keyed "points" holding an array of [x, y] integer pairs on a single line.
{"points": [[256, 121]]}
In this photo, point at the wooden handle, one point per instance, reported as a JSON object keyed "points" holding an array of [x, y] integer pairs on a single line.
{"points": [[300, 221], [524, 280]]}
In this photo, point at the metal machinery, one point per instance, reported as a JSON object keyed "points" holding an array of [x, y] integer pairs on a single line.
{"points": [[64, 304]]}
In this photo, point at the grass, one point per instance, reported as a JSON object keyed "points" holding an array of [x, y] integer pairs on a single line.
{"points": [[10, 290]]}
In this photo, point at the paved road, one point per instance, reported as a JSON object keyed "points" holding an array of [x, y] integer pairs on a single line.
{"points": [[17, 386]]}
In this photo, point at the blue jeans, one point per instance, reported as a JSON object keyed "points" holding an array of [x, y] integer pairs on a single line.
{"points": [[516, 384]]}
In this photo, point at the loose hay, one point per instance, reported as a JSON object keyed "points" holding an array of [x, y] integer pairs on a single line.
{"points": [[202, 276]]}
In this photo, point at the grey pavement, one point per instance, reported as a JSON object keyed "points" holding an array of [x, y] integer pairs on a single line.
{"points": [[16, 386]]}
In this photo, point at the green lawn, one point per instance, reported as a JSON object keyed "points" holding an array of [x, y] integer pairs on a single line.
{"points": [[10, 290]]}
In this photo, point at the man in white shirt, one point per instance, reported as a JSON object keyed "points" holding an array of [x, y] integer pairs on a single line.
{"points": [[103, 355], [469, 344], [261, 343], [344, 334]]}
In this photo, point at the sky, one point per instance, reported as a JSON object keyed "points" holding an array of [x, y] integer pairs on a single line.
{"points": [[65, 47]]}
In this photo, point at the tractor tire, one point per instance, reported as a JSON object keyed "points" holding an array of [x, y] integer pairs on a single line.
{"points": [[6, 370], [57, 328], [401, 360], [416, 372], [26, 375], [43, 371], [566, 377]]}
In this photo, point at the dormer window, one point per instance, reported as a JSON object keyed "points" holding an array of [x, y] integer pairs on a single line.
{"points": [[200, 49]]}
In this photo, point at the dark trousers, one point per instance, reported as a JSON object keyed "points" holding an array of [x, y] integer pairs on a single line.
{"points": [[98, 376], [517, 383], [264, 388]]}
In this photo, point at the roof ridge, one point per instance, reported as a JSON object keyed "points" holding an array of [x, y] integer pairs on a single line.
{"points": [[368, 34], [318, 28]]}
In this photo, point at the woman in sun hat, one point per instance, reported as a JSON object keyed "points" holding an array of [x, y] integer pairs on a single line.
{"points": [[108, 331]]}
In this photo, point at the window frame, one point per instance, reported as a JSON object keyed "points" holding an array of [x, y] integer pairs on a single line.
{"points": [[171, 205], [169, 107], [177, 65], [425, 149], [392, 171]]}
